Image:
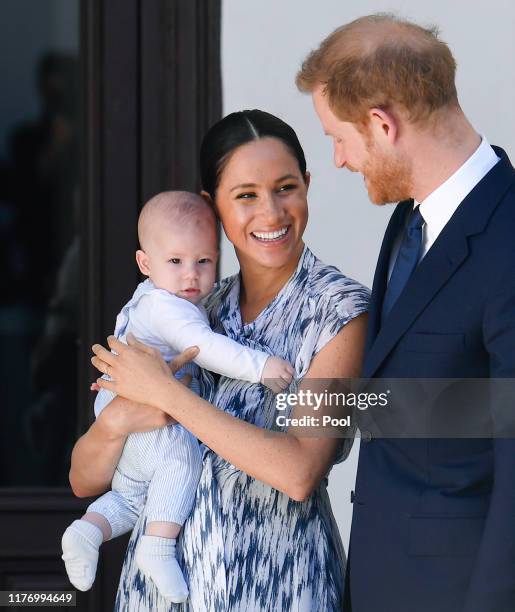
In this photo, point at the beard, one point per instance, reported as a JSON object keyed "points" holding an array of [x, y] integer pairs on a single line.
{"points": [[388, 179]]}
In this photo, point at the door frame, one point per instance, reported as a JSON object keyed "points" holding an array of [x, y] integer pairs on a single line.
{"points": [[151, 86]]}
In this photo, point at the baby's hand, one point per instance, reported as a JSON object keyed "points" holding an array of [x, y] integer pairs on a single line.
{"points": [[277, 374]]}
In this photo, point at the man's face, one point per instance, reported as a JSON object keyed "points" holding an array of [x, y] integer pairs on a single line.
{"points": [[387, 175]]}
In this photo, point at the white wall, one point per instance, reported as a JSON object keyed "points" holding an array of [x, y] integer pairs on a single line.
{"points": [[263, 45]]}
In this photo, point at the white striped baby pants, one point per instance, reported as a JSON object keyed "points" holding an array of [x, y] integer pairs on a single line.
{"points": [[158, 470]]}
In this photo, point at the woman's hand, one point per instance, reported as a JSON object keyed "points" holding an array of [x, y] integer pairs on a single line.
{"points": [[138, 372]]}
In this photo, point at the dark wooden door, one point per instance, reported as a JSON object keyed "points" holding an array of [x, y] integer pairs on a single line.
{"points": [[142, 86]]}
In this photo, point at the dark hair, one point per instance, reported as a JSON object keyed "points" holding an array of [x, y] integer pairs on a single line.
{"points": [[238, 129]]}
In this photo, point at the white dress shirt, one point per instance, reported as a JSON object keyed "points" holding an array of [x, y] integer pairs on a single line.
{"points": [[441, 204]]}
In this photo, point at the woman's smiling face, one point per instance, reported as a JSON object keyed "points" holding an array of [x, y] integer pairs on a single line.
{"points": [[261, 201]]}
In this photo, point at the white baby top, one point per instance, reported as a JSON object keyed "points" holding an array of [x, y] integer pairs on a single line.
{"points": [[172, 324]]}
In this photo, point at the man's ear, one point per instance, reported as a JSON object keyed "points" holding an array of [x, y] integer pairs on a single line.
{"points": [[383, 125], [142, 261]]}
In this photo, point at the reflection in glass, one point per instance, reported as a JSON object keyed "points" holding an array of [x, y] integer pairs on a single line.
{"points": [[39, 240]]}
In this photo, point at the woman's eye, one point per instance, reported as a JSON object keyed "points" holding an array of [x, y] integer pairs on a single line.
{"points": [[245, 196], [288, 187], [204, 260], [175, 260]]}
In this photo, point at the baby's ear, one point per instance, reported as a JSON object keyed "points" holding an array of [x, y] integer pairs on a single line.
{"points": [[142, 261]]}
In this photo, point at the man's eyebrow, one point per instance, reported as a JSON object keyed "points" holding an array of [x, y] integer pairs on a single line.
{"points": [[243, 186]]}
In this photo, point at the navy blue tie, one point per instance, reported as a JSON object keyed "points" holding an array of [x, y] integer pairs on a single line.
{"points": [[406, 262]]}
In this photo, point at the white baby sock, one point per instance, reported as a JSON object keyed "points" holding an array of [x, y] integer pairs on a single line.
{"points": [[80, 543], [155, 557]]}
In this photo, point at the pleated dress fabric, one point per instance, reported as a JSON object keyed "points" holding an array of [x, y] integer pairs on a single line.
{"points": [[247, 546]]}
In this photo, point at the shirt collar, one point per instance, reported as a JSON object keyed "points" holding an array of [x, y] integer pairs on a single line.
{"points": [[440, 205]]}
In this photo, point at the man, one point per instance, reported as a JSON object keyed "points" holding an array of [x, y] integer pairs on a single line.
{"points": [[434, 520]]}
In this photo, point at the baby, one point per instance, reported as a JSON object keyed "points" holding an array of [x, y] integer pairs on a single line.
{"points": [[160, 469]]}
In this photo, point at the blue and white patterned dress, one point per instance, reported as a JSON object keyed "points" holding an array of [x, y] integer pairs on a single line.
{"points": [[247, 546]]}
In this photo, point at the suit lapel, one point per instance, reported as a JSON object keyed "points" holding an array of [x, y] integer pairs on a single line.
{"points": [[441, 262], [433, 272]]}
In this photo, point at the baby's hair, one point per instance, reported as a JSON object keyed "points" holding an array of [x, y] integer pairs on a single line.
{"points": [[172, 206]]}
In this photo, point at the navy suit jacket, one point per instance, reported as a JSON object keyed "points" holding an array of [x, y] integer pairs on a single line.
{"points": [[434, 519]]}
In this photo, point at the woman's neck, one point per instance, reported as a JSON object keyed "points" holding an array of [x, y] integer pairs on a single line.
{"points": [[261, 284]]}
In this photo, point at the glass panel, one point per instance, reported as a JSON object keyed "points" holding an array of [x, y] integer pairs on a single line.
{"points": [[39, 241]]}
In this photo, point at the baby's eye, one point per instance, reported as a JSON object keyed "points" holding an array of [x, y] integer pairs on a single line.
{"points": [[175, 260], [204, 260]]}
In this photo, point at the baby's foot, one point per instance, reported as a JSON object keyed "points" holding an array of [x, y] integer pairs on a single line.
{"points": [[80, 543], [155, 557]]}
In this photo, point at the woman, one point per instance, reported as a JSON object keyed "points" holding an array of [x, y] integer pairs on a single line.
{"points": [[262, 535]]}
